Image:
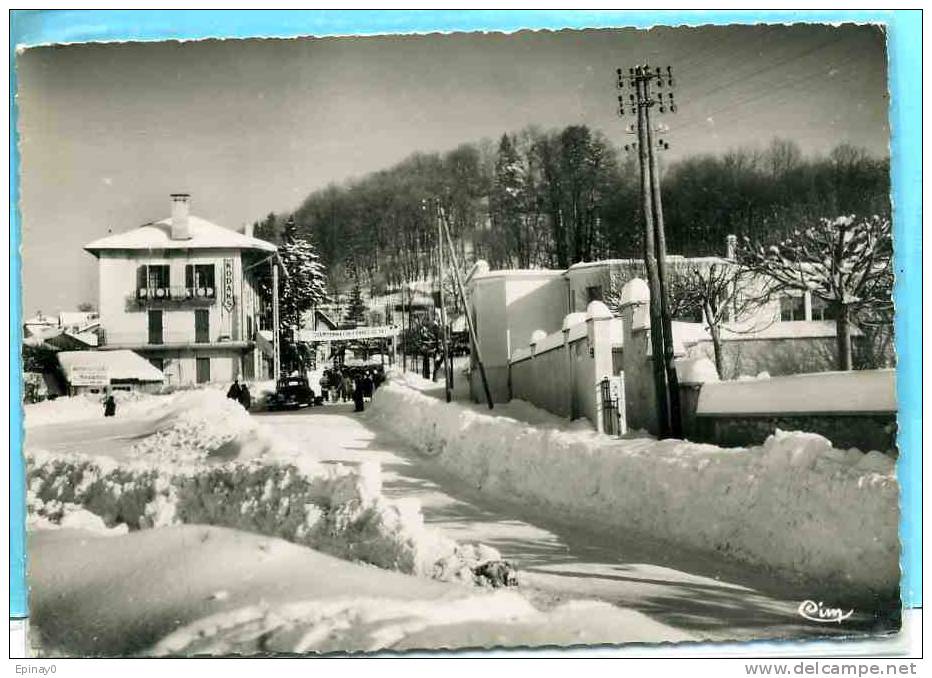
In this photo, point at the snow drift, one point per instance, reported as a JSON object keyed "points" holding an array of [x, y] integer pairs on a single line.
{"points": [[794, 504], [87, 406], [206, 461]]}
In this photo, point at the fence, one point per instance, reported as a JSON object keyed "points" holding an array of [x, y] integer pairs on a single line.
{"points": [[562, 372], [600, 367]]}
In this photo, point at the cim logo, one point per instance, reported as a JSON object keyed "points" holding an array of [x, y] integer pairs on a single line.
{"points": [[817, 612]]}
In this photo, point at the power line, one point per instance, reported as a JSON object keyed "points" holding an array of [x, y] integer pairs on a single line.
{"points": [[769, 67], [764, 93]]}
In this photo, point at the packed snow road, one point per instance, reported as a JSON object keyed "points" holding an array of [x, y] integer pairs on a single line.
{"points": [[583, 578], [685, 592]]}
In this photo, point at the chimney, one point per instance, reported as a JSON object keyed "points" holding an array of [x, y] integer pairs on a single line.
{"points": [[180, 208], [247, 229], [731, 246]]}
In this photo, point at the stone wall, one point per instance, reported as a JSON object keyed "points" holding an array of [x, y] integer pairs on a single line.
{"points": [[561, 372], [864, 431]]}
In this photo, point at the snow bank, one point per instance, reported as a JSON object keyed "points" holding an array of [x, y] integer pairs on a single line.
{"points": [[88, 406], [794, 504], [339, 511], [372, 624], [195, 426], [208, 462]]}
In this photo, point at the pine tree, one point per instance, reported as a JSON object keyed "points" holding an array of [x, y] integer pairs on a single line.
{"points": [[305, 283], [356, 310]]}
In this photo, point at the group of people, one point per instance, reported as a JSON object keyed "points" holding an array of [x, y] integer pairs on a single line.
{"points": [[240, 393], [341, 385]]}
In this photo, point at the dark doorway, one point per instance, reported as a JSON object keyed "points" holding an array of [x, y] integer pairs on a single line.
{"points": [[155, 327], [203, 370], [202, 326]]}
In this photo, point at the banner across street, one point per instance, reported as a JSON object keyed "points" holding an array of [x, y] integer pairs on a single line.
{"points": [[348, 335]]}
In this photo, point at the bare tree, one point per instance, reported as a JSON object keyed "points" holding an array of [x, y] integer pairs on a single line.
{"points": [[718, 292], [847, 262]]}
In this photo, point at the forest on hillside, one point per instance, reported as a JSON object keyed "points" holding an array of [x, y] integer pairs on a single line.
{"points": [[552, 198]]}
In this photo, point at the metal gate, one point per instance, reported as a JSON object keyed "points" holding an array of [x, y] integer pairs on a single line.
{"points": [[611, 423]]}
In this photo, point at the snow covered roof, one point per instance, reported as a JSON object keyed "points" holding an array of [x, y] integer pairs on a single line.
{"points": [[69, 318], [157, 236], [121, 365], [518, 273], [851, 392]]}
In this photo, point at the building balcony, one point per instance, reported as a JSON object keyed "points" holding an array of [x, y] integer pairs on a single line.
{"points": [[165, 296], [169, 341]]}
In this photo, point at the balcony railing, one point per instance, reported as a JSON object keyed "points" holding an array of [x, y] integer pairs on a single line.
{"points": [[150, 296], [165, 338]]}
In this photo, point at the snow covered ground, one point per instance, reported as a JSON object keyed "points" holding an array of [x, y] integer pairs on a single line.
{"points": [[200, 458], [87, 406], [197, 589], [195, 539], [273, 486], [795, 504]]}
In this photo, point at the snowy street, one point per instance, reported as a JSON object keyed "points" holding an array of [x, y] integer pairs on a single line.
{"points": [[684, 592], [174, 486]]}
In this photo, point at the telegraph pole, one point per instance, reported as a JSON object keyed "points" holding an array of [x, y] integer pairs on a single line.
{"points": [[472, 330], [655, 258], [276, 340], [447, 373], [660, 241]]}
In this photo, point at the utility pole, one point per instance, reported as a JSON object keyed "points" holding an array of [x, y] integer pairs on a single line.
{"points": [[447, 373], [660, 242], [655, 256], [404, 341], [276, 331], [472, 330]]}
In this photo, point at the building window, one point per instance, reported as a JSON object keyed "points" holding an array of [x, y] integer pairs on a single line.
{"points": [[821, 309], [153, 280], [593, 293], [203, 370], [152, 276], [792, 308], [202, 326], [200, 277]]}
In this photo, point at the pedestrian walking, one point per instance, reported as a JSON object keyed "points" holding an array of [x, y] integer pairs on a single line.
{"points": [[109, 406], [367, 386], [324, 387], [348, 387], [245, 397], [358, 399], [234, 390]]}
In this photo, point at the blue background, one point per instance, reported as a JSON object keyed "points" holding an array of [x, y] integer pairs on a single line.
{"points": [[32, 27]]}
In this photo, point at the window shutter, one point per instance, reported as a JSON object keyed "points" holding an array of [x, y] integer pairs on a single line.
{"points": [[142, 277], [189, 275]]}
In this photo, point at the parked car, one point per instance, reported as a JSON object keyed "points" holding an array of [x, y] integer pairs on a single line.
{"points": [[291, 392]]}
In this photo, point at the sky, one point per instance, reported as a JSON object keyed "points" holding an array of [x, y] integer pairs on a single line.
{"points": [[248, 127]]}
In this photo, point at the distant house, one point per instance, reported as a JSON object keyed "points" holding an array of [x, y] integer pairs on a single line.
{"points": [[96, 371], [39, 324], [183, 293]]}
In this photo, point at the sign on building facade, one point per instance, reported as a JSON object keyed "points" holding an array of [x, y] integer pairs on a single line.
{"points": [[228, 297], [88, 375]]}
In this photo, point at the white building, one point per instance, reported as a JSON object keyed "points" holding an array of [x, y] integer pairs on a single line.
{"points": [[793, 332], [183, 293]]}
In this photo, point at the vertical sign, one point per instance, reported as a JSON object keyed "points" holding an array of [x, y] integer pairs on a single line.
{"points": [[228, 299]]}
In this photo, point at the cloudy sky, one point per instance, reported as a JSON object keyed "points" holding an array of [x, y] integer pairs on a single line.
{"points": [[107, 131]]}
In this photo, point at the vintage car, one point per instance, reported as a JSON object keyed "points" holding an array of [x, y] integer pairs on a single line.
{"points": [[291, 392]]}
